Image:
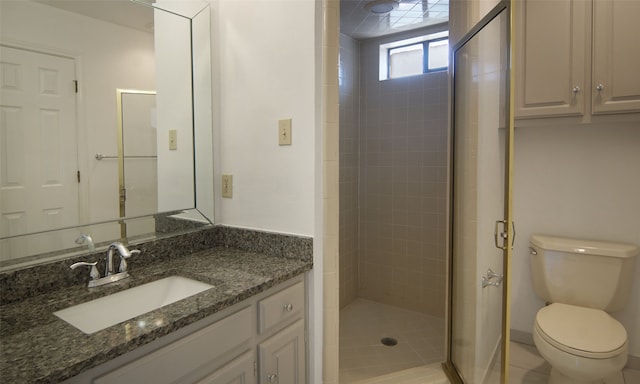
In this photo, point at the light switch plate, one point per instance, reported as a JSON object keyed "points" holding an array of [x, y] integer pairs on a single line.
{"points": [[284, 132], [227, 185]]}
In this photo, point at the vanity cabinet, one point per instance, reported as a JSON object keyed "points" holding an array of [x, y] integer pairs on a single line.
{"points": [[282, 356], [577, 58], [260, 340]]}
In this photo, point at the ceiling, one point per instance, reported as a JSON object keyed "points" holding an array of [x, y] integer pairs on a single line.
{"points": [[123, 12], [359, 23], [355, 20]]}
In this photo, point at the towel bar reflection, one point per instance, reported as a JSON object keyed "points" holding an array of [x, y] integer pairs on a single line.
{"points": [[100, 156]]}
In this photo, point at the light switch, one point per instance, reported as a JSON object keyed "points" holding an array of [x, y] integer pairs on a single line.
{"points": [[173, 139], [227, 185], [284, 132]]}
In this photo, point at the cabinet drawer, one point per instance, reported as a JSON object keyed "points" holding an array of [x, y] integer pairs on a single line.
{"points": [[169, 364], [284, 305]]}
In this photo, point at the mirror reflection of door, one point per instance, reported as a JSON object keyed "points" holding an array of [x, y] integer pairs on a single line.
{"points": [[39, 181], [137, 152]]}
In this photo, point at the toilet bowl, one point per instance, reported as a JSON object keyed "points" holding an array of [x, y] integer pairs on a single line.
{"points": [[582, 345], [584, 280]]}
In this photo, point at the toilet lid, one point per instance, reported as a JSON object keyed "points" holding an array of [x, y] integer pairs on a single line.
{"points": [[582, 331]]}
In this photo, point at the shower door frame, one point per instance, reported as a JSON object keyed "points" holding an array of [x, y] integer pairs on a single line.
{"points": [[508, 233]]}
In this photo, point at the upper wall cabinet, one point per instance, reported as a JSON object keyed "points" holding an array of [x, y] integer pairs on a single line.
{"points": [[560, 68], [616, 56]]}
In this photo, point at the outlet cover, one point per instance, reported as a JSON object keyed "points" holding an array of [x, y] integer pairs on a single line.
{"points": [[173, 139], [227, 185]]}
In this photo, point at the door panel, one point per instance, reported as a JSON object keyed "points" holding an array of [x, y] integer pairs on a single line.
{"points": [[38, 146], [616, 52], [482, 131]]}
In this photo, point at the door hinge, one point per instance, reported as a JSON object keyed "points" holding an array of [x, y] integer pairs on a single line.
{"points": [[255, 368], [78, 175], [75, 84]]}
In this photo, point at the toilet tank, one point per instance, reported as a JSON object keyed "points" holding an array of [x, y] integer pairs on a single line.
{"points": [[593, 274]]}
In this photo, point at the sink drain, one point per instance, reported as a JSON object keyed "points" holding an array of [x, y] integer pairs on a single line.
{"points": [[389, 341]]}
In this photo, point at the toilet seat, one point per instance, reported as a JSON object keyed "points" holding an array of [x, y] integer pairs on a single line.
{"points": [[580, 331]]}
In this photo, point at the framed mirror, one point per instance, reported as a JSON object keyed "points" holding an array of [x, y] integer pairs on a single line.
{"points": [[81, 137]]}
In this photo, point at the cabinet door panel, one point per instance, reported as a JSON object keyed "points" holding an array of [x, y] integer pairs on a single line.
{"points": [[177, 360], [239, 371], [282, 357], [616, 54], [551, 55]]}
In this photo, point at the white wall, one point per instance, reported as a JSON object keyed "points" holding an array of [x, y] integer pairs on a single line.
{"points": [[266, 52], [265, 68], [575, 181]]}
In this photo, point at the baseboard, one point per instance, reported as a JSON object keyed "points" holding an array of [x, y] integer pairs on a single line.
{"points": [[521, 337], [527, 338], [633, 362]]}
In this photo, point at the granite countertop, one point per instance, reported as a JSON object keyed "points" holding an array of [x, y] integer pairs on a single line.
{"points": [[37, 346]]}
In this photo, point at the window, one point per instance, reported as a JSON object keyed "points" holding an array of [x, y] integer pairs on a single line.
{"points": [[414, 56]]}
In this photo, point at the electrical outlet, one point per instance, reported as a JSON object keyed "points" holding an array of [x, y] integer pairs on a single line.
{"points": [[284, 132], [227, 185]]}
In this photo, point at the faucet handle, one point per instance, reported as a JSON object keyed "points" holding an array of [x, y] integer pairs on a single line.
{"points": [[131, 253], [94, 270], [123, 262]]}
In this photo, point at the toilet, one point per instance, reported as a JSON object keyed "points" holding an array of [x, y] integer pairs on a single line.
{"points": [[582, 281]]}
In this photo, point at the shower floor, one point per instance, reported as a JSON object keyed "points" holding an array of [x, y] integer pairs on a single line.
{"points": [[364, 323]]}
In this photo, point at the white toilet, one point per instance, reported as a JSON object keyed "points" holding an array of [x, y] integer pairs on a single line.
{"points": [[582, 280]]}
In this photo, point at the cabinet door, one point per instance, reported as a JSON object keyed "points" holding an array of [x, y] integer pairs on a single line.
{"points": [[239, 371], [551, 54], [282, 357], [616, 54], [174, 362]]}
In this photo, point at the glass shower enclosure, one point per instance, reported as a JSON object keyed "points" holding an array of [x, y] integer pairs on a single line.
{"points": [[481, 227]]}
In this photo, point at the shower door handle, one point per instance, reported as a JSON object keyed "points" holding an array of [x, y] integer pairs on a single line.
{"points": [[503, 234]]}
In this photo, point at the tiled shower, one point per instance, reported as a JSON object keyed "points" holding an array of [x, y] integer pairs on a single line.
{"points": [[392, 216], [392, 182]]}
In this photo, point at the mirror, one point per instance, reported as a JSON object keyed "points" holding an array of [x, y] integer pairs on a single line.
{"points": [[78, 141]]}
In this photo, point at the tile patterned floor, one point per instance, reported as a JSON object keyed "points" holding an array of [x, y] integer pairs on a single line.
{"points": [[364, 323], [417, 356]]}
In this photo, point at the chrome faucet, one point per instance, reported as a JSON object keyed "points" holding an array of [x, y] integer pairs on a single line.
{"points": [[86, 239], [109, 272], [124, 254]]}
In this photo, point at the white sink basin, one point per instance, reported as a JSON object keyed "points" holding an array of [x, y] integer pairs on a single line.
{"points": [[104, 312]]}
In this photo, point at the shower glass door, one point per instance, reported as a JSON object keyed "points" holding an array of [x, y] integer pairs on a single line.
{"points": [[481, 225]]}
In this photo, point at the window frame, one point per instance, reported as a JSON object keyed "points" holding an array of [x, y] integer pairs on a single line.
{"points": [[424, 40]]}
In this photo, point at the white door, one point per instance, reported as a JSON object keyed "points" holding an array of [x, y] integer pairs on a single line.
{"points": [[38, 142]]}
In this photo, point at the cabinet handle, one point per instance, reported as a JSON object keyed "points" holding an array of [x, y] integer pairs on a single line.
{"points": [[599, 87], [576, 89], [272, 377], [288, 307]]}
